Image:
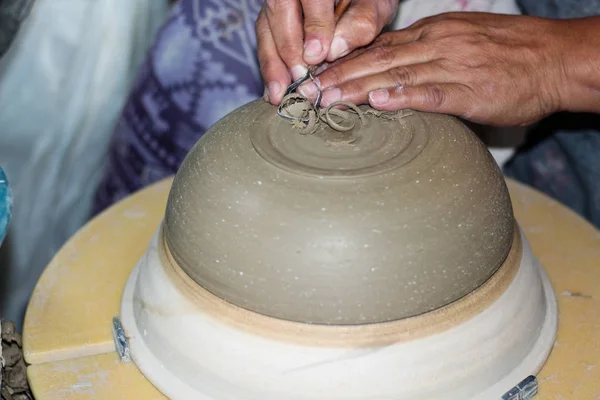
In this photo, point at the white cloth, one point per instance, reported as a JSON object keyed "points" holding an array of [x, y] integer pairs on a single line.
{"points": [[413, 10], [62, 86]]}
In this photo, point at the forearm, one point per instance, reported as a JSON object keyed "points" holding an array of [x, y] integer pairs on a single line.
{"points": [[580, 61]]}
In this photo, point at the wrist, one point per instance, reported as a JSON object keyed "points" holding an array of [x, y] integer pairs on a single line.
{"points": [[579, 65]]}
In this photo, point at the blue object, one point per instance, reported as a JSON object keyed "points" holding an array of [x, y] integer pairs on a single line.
{"points": [[5, 204]]}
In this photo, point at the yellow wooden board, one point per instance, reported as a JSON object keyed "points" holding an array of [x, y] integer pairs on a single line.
{"points": [[67, 332], [71, 309], [101, 377]]}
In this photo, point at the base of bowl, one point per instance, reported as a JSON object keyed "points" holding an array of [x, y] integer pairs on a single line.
{"points": [[192, 345]]}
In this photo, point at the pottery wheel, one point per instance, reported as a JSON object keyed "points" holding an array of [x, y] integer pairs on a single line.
{"points": [[374, 260], [84, 284]]}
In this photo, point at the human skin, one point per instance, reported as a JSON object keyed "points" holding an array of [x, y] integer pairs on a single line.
{"points": [[500, 70], [294, 34]]}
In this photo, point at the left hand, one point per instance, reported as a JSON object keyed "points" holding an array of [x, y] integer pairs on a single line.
{"points": [[293, 34], [487, 68]]}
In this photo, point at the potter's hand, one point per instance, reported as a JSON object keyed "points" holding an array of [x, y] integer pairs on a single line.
{"points": [[287, 42], [487, 68]]}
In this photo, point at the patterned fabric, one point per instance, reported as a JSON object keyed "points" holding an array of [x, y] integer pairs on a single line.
{"points": [[203, 65]]}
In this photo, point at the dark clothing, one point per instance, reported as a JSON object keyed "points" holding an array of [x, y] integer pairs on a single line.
{"points": [[562, 155]]}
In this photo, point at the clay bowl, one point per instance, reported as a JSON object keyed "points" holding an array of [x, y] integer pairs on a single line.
{"points": [[405, 216], [380, 262]]}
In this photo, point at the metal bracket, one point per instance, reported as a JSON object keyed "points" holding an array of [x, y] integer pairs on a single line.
{"points": [[525, 390], [121, 343]]}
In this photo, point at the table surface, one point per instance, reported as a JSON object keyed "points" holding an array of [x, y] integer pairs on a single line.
{"points": [[68, 338]]}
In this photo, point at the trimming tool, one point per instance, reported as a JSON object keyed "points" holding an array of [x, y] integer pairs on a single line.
{"points": [[340, 9]]}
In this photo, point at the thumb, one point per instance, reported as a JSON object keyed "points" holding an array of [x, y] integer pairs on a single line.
{"points": [[319, 25], [360, 25]]}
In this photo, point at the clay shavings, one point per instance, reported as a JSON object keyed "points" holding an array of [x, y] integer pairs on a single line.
{"points": [[307, 118]]}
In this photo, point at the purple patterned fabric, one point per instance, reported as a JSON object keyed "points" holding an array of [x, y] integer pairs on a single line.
{"points": [[202, 66]]}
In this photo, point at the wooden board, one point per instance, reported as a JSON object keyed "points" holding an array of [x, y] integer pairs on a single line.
{"points": [[67, 332]]}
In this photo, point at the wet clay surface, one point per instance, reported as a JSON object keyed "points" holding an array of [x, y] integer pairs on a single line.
{"points": [[392, 219]]}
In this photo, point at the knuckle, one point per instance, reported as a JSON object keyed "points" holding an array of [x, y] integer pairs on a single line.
{"points": [[469, 113], [271, 5], [332, 77], [355, 87], [435, 28], [316, 25], [286, 46], [428, 23], [289, 53], [452, 64], [445, 26], [436, 97], [402, 76], [275, 8], [382, 56], [365, 28], [262, 23], [385, 39], [267, 66], [458, 63]]}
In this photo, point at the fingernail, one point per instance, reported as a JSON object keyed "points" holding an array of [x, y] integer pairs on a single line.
{"points": [[379, 96], [308, 90], [339, 47], [298, 72], [266, 95], [274, 89], [331, 96], [313, 48]]}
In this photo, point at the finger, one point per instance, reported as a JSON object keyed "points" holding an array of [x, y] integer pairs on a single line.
{"points": [[360, 25], [326, 65], [319, 26], [272, 68], [445, 98], [371, 62], [285, 21], [383, 40], [357, 91]]}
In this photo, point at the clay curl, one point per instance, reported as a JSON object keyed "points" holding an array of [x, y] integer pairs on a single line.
{"points": [[307, 118]]}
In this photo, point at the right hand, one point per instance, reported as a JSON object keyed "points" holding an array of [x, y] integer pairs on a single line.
{"points": [[288, 44], [492, 69]]}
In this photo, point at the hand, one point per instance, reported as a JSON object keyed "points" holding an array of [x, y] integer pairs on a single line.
{"points": [[287, 44], [492, 69]]}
